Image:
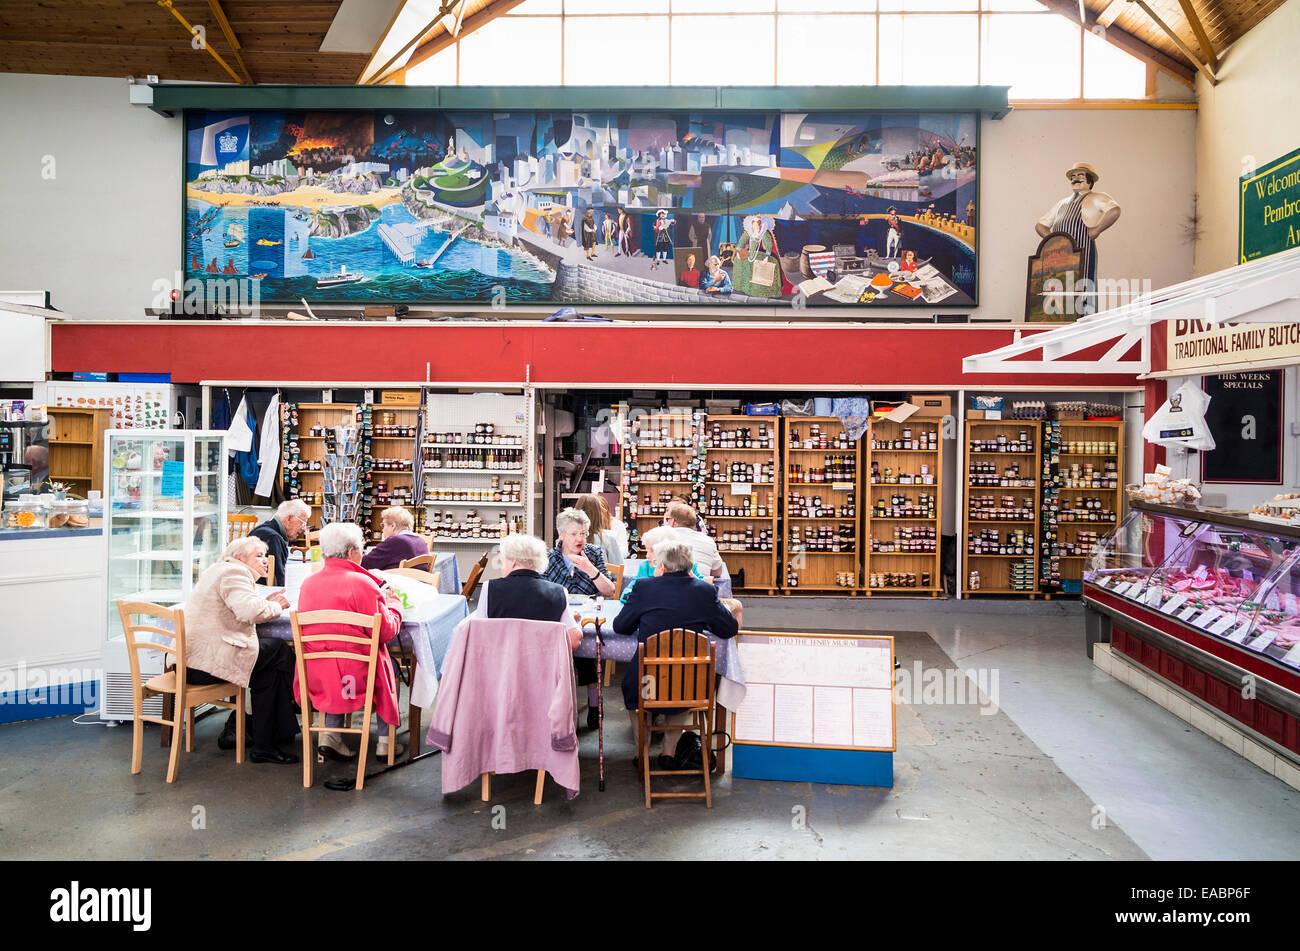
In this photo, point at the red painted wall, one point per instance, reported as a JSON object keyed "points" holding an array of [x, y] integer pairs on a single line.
{"points": [[623, 355]]}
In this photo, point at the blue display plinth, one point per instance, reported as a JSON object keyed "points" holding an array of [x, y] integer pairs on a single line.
{"points": [[801, 764]]}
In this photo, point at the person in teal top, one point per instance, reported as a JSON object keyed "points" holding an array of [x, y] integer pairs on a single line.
{"points": [[664, 534]]}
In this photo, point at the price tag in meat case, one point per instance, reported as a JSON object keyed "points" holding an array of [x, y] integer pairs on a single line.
{"points": [[1187, 613], [1239, 635], [1263, 641], [1222, 624], [1174, 603]]}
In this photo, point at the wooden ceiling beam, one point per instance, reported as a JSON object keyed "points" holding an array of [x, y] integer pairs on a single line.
{"points": [[1178, 41], [382, 73], [220, 16], [1127, 42], [1207, 48], [1113, 9], [437, 44], [167, 5]]}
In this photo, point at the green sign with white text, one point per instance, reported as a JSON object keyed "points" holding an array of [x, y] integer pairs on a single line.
{"points": [[1270, 209]]}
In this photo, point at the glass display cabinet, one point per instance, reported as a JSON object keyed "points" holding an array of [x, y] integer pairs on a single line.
{"points": [[165, 521], [1209, 601]]}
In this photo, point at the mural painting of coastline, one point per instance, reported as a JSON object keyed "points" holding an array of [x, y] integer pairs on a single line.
{"points": [[869, 210]]}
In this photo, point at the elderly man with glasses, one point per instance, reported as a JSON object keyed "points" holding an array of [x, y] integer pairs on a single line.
{"points": [[290, 521]]}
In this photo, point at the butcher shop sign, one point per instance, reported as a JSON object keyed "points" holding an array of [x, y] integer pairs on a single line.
{"points": [[1196, 345]]}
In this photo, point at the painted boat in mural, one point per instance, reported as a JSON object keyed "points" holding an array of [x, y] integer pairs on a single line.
{"points": [[308, 255], [339, 278], [267, 242]]}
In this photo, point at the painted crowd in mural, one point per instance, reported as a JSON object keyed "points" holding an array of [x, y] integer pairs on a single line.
{"points": [[870, 210]]}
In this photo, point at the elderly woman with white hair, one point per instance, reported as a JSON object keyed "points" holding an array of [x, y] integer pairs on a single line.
{"points": [[290, 521], [661, 535], [522, 592], [343, 585], [670, 600], [579, 568], [223, 645], [400, 541]]}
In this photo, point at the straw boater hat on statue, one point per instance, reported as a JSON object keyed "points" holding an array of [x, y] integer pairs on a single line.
{"points": [[1087, 169]]}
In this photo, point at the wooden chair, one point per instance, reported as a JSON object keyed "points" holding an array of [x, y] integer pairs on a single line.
{"points": [[238, 526], [617, 572], [301, 619], [419, 561], [475, 573], [537, 793], [171, 682], [310, 539], [680, 665]]}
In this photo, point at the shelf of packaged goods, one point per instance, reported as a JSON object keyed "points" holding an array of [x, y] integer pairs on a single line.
{"points": [[736, 518], [300, 438], [973, 485], [751, 483], [1089, 455], [1084, 488], [745, 551], [1000, 521], [971, 554], [434, 471], [876, 591], [641, 446], [840, 554], [481, 540], [904, 485], [820, 518], [892, 554], [737, 449], [428, 503], [393, 438], [903, 518], [1028, 452], [924, 451]]}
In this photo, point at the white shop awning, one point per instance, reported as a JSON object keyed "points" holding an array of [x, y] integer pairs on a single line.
{"points": [[1264, 291]]}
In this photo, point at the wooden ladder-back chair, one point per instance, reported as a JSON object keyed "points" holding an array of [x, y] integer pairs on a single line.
{"points": [[617, 572], [300, 619], [239, 525], [475, 573], [423, 562], [680, 665], [187, 696]]}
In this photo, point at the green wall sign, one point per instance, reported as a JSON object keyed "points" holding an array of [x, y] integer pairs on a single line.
{"points": [[1270, 209]]}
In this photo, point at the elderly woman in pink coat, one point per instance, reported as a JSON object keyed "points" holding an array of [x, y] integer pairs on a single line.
{"points": [[223, 645], [338, 687]]}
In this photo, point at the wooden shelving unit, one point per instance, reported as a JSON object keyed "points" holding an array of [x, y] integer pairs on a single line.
{"points": [[659, 440], [76, 439], [1087, 443], [996, 569], [895, 452], [804, 569], [302, 481], [395, 481], [743, 502]]}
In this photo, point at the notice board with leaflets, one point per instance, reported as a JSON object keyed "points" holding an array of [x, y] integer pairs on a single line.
{"points": [[817, 708]]}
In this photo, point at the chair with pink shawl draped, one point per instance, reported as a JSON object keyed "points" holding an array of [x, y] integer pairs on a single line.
{"points": [[506, 704]]}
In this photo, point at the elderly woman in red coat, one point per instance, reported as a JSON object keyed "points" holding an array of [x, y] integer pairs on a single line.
{"points": [[336, 686]]}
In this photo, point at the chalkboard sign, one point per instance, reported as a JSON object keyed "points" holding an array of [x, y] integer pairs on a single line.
{"points": [[1245, 418]]}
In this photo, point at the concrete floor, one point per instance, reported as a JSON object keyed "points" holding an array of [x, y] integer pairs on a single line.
{"points": [[1067, 748]]}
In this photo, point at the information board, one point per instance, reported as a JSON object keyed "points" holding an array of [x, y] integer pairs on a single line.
{"points": [[1245, 419], [822, 691], [1270, 209]]}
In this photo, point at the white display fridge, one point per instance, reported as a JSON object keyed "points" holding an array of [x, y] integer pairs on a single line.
{"points": [[165, 523]]}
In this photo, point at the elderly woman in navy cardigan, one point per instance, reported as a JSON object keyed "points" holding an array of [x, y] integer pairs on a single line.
{"points": [[672, 598], [400, 541]]}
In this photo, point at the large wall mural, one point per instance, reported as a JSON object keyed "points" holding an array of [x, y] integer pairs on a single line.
{"points": [[869, 210]]}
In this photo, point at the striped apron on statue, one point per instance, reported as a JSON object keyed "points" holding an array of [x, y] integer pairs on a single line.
{"points": [[1070, 221]]}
